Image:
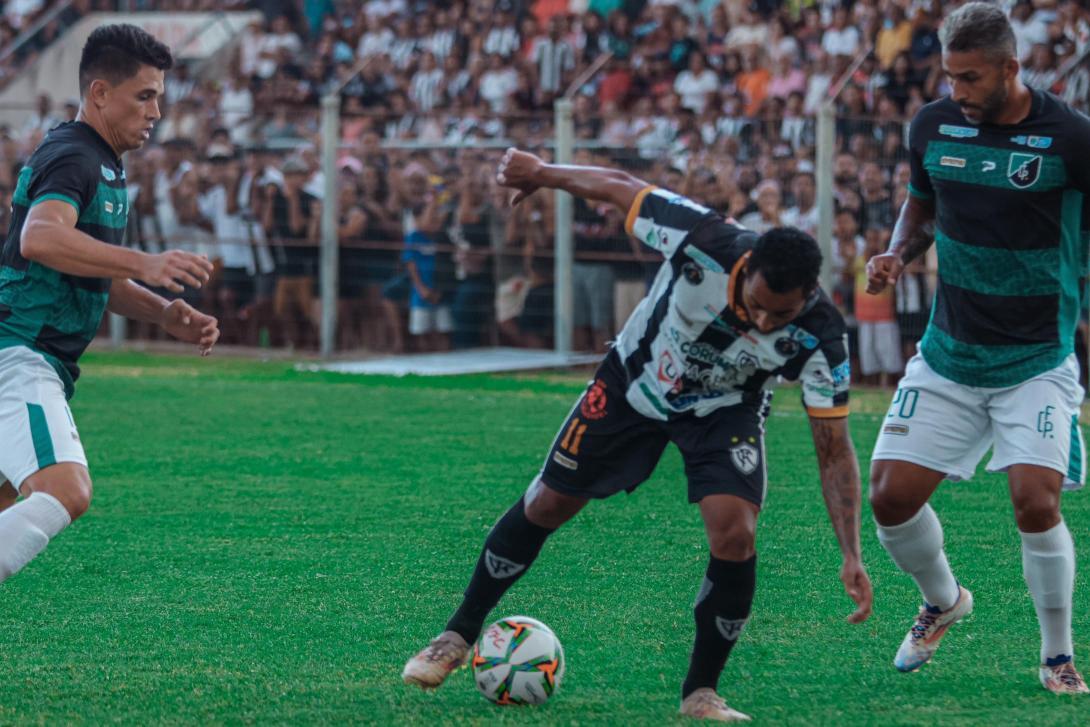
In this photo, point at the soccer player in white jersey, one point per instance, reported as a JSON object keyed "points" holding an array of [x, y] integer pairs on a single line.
{"points": [[729, 312], [1000, 178]]}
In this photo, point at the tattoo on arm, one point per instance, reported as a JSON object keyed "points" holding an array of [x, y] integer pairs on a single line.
{"points": [[840, 484], [915, 229]]}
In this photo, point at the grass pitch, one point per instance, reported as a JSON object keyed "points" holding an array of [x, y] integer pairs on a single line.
{"points": [[267, 546]]}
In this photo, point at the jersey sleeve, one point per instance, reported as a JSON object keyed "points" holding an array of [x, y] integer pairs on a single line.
{"points": [[662, 220], [919, 183], [69, 176], [826, 379]]}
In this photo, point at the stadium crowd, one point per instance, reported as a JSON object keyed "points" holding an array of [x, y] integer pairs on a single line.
{"points": [[712, 99]]}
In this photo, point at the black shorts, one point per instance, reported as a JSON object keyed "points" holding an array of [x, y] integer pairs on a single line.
{"points": [[605, 446], [240, 282]]}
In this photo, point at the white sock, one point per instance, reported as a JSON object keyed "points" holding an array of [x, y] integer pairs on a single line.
{"points": [[916, 548], [1048, 561], [26, 528]]}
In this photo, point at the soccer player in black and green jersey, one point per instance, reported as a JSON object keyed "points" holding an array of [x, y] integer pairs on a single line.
{"points": [[1000, 178], [61, 268]]}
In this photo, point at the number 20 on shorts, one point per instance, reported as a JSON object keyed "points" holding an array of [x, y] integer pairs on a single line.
{"points": [[904, 403]]}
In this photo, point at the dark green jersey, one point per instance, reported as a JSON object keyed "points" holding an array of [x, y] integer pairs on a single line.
{"points": [[41, 308], [1009, 212]]}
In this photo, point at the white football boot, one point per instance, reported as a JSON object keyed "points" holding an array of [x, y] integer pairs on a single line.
{"points": [[430, 668], [923, 638], [704, 703], [1063, 679]]}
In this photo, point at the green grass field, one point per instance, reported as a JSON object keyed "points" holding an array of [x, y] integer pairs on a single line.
{"points": [[268, 546]]}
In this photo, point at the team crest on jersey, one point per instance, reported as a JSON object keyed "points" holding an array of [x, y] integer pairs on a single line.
{"points": [[594, 401], [108, 174], [745, 457], [958, 132], [1024, 169]]}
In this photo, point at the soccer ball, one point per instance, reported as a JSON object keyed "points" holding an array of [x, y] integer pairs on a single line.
{"points": [[518, 660]]}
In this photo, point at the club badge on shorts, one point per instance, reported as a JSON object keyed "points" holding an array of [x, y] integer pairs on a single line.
{"points": [[745, 457]]}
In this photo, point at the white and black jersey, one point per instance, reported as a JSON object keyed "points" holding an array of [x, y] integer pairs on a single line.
{"points": [[689, 347]]}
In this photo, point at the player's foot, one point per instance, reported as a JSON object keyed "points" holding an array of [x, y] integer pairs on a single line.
{"points": [[436, 661], [1063, 679], [704, 703], [923, 638]]}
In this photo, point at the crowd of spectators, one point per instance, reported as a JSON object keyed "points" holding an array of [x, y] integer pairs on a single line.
{"points": [[712, 99]]}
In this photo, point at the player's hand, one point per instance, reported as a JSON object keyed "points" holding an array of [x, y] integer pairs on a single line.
{"points": [[176, 270], [883, 270], [519, 170], [856, 582], [188, 324]]}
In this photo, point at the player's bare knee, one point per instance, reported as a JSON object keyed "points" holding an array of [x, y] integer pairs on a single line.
{"points": [[736, 542], [548, 508], [70, 484], [888, 503], [1036, 514]]}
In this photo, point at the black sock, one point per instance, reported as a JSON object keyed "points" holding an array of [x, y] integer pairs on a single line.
{"points": [[508, 552], [721, 611]]}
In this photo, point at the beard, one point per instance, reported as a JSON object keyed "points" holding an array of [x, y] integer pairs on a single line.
{"points": [[989, 110]]}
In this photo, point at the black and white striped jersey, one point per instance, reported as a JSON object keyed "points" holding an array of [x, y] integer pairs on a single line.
{"points": [[688, 346]]}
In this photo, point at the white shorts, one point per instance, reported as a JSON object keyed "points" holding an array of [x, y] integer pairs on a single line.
{"points": [[426, 320], [879, 348], [948, 427], [36, 426]]}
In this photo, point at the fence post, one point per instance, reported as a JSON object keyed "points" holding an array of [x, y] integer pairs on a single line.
{"points": [[117, 330], [563, 304], [823, 173], [331, 134]]}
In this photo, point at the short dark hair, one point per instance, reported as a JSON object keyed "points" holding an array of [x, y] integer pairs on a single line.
{"points": [[116, 52], [788, 259], [979, 26]]}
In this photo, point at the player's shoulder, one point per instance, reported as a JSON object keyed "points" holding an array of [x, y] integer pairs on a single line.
{"points": [[822, 319], [932, 116], [64, 142], [1056, 110]]}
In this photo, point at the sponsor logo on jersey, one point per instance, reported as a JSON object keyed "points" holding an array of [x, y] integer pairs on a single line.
{"points": [[842, 373], [693, 273], [730, 628], [958, 132], [745, 457], [956, 162], [1024, 169], [108, 174], [808, 341], [108, 206], [686, 202], [668, 372], [565, 461], [499, 567], [987, 166], [594, 401], [1033, 142], [703, 258], [827, 391], [898, 429]]}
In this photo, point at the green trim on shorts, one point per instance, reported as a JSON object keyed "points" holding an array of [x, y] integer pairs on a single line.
{"points": [[1074, 457], [39, 432]]}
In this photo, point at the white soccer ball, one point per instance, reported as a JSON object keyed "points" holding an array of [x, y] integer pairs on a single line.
{"points": [[518, 660]]}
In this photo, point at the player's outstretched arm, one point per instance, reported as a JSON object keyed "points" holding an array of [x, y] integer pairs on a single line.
{"points": [[840, 485], [912, 235], [178, 318], [528, 173], [50, 238]]}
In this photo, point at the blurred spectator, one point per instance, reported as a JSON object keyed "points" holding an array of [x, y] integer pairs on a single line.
{"points": [[879, 339], [429, 271], [291, 221], [768, 213], [804, 213]]}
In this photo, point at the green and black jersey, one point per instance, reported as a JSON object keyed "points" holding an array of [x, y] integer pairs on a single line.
{"points": [[41, 308], [1010, 206]]}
